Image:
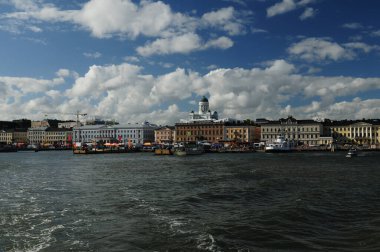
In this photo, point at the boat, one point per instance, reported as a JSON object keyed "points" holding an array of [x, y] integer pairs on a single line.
{"points": [[163, 152], [279, 145], [188, 149], [353, 152]]}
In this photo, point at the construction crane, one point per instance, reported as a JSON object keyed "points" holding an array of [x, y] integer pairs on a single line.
{"points": [[77, 114]]}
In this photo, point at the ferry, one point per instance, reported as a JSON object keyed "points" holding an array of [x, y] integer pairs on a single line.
{"points": [[279, 145]]}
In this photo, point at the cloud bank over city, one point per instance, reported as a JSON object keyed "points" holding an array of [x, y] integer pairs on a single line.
{"points": [[136, 61], [125, 93]]}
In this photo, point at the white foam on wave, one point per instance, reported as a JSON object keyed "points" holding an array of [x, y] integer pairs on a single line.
{"points": [[207, 242]]}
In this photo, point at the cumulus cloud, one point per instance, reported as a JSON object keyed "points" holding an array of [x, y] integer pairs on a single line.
{"points": [[127, 19], [289, 5], [124, 92], [324, 50], [353, 26], [308, 13], [226, 19], [184, 44]]}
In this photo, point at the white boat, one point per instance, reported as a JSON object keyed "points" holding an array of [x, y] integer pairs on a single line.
{"points": [[352, 153], [189, 149], [279, 145]]}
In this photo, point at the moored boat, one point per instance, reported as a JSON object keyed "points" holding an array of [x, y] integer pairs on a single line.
{"points": [[353, 152], [279, 145], [163, 152], [189, 149]]}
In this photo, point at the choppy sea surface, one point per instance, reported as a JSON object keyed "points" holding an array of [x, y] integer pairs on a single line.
{"points": [[57, 201]]}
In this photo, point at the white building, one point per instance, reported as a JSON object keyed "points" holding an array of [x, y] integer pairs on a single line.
{"points": [[36, 135], [205, 114], [301, 131], [135, 133], [90, 133], [129, 133]]}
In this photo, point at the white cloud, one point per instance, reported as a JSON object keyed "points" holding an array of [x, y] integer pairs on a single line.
{"points": [[324, 50], [222, 43], [257, 30], [132, 59], [92, 55], [289, 5], [180, 44], [184, 44], [280, 8], [319, 49], [126, 19], [226, 19], [308, 13], [362, 47], [125, 93], [353, 26]]}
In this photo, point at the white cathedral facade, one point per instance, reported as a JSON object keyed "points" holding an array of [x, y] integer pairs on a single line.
{"points": [[204, 114]]}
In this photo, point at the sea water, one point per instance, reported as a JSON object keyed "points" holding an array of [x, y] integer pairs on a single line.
{"points": [[57, 201]]}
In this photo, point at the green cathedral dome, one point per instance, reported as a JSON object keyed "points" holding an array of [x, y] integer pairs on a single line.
{"points": [[204, 99]]}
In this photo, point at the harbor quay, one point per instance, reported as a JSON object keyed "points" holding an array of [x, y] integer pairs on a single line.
{"points": [[204, 126]]}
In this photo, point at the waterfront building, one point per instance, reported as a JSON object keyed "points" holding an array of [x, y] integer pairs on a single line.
{"points": [[124, 134], [365, 132], [6, 137], [164, 135], [306, 132], [202, 126], [325, 140], [199, 131], [20, 136], [241, 133], [92, 133], [58, 137], [36, 135], [136, 134]]}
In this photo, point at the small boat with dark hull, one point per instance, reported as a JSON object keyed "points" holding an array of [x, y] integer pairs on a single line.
{"points": [[353, 152]]}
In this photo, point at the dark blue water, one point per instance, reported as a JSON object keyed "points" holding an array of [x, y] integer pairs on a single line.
{"points": [[57, 201]]}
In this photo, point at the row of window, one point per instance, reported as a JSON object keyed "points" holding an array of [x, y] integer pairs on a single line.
{"points": [[364, 134], [299, 136], [310, 129], [200, 132], [356, 129]]}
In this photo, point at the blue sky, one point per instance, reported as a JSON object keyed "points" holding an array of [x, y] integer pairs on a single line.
{"points": [[153, 60]]}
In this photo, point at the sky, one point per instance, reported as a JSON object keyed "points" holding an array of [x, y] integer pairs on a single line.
{"points": [[145, 60]]}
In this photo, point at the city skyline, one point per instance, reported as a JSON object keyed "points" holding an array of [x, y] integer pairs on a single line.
{"points": [[154, 60]]}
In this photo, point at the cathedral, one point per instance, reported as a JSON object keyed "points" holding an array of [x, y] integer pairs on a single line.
{"points": [[204, 113]]}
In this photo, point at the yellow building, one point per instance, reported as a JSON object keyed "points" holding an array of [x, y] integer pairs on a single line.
{"points": [[58, 136], [358, 132], [240, 133], [49, 136], [164, 135]]}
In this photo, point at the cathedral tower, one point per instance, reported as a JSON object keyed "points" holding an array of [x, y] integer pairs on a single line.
{"points": [[203, 106]]}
